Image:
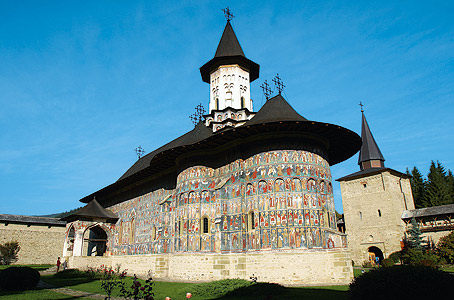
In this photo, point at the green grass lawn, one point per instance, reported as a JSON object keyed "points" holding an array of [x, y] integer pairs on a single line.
{"points": [[35, 295], [36, 267], [206, 291]]}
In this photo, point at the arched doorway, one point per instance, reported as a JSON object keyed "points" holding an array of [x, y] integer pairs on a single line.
{"points": [[97, 240], [69, 242], [375, 252]]}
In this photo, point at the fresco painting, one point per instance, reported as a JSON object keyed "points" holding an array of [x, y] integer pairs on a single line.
{"points": [[287, 193]]}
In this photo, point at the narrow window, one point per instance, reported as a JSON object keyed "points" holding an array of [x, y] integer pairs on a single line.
{"points": [[250, 221], [360, 215], [242, 102], [153, 233], [205, 225], [379, 213], [217, 104]]}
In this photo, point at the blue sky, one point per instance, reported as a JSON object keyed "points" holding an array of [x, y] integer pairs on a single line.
{"points": [[83, 83]]}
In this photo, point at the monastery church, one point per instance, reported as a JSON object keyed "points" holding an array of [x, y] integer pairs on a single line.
{"points": [[244, 193]]}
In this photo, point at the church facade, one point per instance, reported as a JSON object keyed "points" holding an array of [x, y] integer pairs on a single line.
{"points": [[242, 194]]}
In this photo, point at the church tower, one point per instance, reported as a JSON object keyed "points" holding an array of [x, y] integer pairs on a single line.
{"points": [[229, 74], [373, 201]]}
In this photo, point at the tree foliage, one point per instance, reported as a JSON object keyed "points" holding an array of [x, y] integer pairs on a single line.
{"points": [[445, 248], [415, 236], [418, 187], [9, 251], [437, 189]]}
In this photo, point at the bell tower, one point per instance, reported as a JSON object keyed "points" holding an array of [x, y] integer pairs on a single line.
{"points": [[229, 74]]}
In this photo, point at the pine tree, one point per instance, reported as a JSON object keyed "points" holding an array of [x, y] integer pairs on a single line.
{"points": [[418, 187], [415, 235], [437, 190]]}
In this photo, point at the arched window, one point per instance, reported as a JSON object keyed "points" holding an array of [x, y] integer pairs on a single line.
{"points": [[250, 221], [205, 225], [180, 226], [216, 104], [242, 102], [153, 233]]}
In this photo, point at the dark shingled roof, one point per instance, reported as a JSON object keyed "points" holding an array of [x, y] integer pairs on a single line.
{"points": [[200, 132], [93, 210], [228, 52], [275, 109], [429, 211], [229, 44], [275, 116], [372, 171], [369, 149], [29, 220]]}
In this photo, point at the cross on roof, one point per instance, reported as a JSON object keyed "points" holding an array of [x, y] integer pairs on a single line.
{"points": [[278, 82], [139, 151], [266, 90], [361, 104], [228, 14], [198, 115]]}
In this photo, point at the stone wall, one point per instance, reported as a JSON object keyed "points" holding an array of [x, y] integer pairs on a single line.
{"points": [[373, 206], [40, 244], [328, 267]]}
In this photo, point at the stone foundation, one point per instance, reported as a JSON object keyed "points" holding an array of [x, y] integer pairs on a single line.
{"points": [[321, 267]]}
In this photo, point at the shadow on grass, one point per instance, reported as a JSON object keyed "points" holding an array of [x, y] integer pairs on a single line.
{"points": [[269, 291], [66, 282]]}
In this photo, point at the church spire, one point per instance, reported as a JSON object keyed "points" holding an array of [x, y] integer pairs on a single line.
{"points": [[370, 155]]}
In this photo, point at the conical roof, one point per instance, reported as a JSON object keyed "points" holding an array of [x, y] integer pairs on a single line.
{"points": [[229, 44], [369, 149], [229, 52], [93, 210]]}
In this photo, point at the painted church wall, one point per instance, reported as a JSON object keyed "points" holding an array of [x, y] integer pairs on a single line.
{"points": [[277, 200]]}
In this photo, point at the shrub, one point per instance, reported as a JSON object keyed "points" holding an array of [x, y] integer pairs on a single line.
{"points": [[19, 278], [396, 257], [419, 257], [367, 264], [9, 251], [402, 282], [445, 248], [387, 262]]}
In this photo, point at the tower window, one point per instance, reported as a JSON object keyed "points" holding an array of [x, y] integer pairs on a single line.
{"points": [[217, 104], [379, 213], [205, 225], [242, 102]]}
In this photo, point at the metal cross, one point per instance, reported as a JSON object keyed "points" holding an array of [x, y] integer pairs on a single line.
{"points": [[278, 82], [139, 151], [360, 104], [228, 14], [266, 90], [198, 115]]}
